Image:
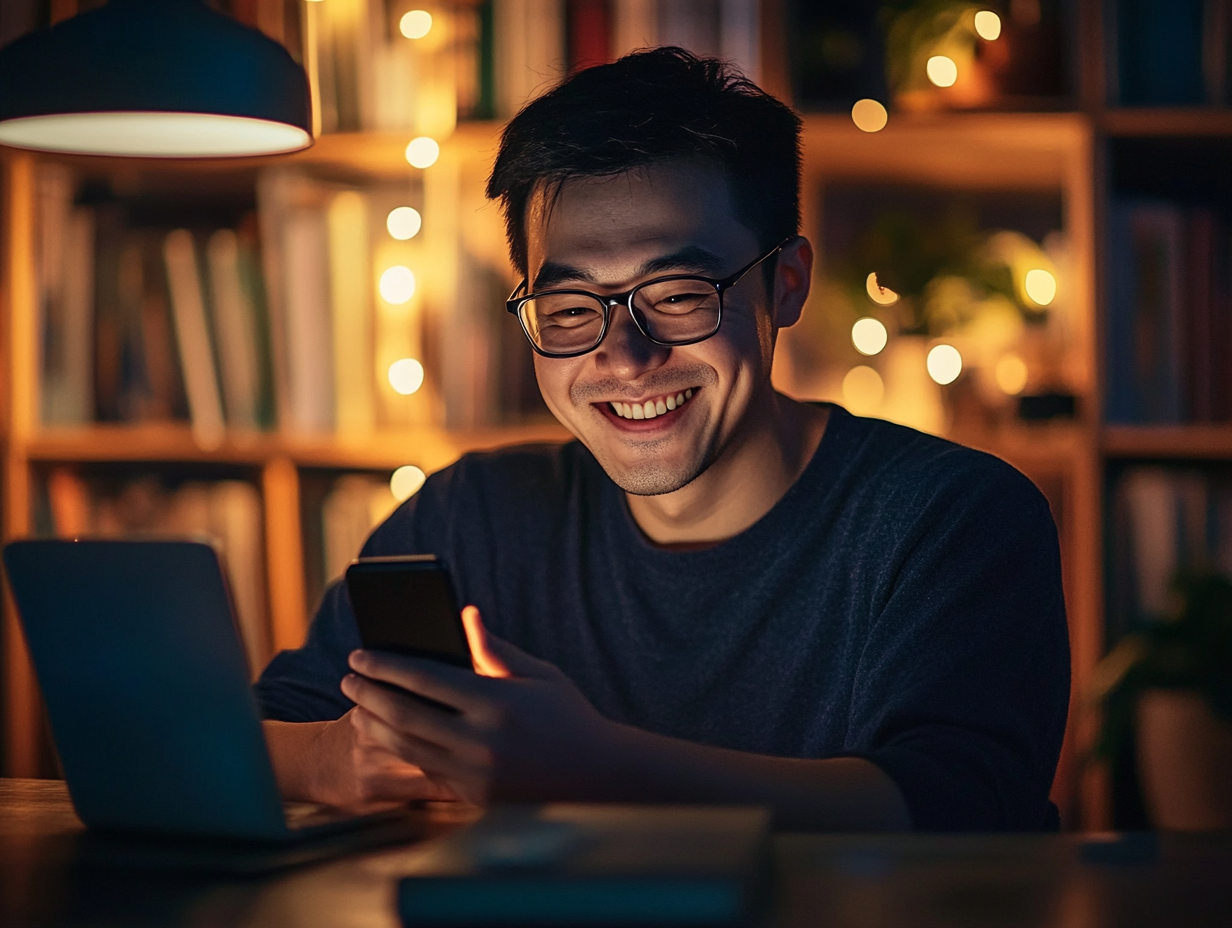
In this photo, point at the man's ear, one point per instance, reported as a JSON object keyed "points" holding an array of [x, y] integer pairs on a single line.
{"points": [[793, 274]]}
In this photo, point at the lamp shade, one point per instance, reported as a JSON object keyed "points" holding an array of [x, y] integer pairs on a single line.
{"points": [[153, 78]]}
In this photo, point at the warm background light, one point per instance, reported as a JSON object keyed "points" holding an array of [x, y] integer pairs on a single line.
{"points": [[416, 24], [1041, 286], [397, 285], [862, 390], [406, 481], [942, 70], [422, 152], [944, 364], [988, 25], [403, 222], [1011, 374], [406, 376], [882, 296], [869, 335], [869, 115]]}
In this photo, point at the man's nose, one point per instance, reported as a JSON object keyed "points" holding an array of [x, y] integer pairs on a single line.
{"points": [[626, 353]]}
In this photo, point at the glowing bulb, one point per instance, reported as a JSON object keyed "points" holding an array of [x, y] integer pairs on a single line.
{"points": [[988, 25], [869, 115], [1041, 286], [397, 285], [403, 222], [942, 70], [406, 481], [869, 335], [416, 24], [882, 296], [862, 390], [1011, 374], [406, 376], [422, 152], [944, 364]]}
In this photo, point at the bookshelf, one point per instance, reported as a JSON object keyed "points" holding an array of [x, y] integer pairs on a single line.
{"points": [[1061, 152]]}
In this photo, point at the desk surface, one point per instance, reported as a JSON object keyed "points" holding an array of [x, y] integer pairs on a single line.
{"points": [[827, 880]]}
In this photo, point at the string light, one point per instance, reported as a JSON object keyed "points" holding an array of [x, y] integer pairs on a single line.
{"points": [[1011, 374], [944, 364], [869, 335], [415, 24], [403, 223], [988, 25], [882, 296], [406, 376], [397, 285], [942, 70], [406, 481], [422, 152], [869, 115], [863, 390], [1041, 286]]}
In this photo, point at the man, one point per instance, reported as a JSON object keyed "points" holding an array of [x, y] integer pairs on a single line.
{"points": [[717, 594]]}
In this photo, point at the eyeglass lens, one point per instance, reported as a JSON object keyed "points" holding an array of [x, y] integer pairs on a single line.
{"points": [[677, 310]]}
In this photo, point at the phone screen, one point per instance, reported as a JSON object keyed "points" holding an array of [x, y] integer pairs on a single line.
{"points": [[406, 605]]}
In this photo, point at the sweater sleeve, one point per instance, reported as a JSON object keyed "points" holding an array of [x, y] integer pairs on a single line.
{"points": [[962, 690], [302, 685]]}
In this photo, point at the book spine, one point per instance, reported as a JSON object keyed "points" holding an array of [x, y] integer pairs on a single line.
{"points": [[351, 304], [193, 338], [237, 340]]}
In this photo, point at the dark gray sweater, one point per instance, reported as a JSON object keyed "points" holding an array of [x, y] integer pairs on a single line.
{"points": [[902, 602]]}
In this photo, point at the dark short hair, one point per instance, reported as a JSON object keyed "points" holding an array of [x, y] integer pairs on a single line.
{"points": [[652, 106]]}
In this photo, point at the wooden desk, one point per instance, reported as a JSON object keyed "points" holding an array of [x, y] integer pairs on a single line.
{"points": [[901, 880]]}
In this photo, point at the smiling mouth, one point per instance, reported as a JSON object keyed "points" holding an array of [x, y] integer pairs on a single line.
{"points": [[653, 407]]}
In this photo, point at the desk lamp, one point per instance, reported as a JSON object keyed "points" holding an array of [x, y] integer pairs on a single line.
{"points": [[152, 78]]}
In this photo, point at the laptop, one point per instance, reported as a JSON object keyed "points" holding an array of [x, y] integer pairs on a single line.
{"points": [[147, 691]]}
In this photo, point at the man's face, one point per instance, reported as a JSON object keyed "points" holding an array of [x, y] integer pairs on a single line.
{"points": [[607, 235]]}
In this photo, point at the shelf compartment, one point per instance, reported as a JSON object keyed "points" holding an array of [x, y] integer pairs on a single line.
{"points": [[1192, 441]]}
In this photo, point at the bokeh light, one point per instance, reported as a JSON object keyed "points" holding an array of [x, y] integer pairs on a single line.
{"points": [[422, 152], [1041, 286], [403, 222], [862, 390], [869, 335], [418, 23], [397, 285], [942, 70], [988, 25], [1011, 374], [944, 364], [882, 296], [406, 376], [406, 481], [869, 115]]}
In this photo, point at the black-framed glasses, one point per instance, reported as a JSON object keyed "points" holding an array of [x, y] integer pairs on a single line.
{"points": [[676, 310]]}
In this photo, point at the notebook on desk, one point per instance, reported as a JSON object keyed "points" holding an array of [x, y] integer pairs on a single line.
{"points": [[147, 690]]}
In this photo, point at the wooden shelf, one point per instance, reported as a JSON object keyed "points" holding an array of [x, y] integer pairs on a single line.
{"points": [[1168, 441], [998, 151], [1215, 122], [428, 448]]}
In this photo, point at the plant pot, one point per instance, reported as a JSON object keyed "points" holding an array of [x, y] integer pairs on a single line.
{"points": [[1184, 761]]}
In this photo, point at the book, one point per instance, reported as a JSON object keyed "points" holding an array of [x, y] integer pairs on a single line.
{"points": [[593, 865], [1158, 52], [193, 338], [351, 303], [529, 50], [355, 505], [308, 325], [234, 319]]}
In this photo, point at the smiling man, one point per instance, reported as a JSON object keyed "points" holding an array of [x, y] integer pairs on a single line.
{"points": [[717, 593]]}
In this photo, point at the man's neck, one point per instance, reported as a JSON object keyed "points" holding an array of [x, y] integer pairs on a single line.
{"points": [[751, 475]]}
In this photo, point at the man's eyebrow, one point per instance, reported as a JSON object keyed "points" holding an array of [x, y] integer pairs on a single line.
{"points": [[690, 259]]}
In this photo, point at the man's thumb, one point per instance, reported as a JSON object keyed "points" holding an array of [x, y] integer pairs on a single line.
{"points": [[486, 661]]}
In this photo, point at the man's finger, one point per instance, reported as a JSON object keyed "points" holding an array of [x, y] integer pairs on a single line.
{"points": [[486, 660], [436, 762], [453, 686], [404, 713]]}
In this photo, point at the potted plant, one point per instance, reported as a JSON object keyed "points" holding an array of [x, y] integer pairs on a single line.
{"points": [[1169, 689]]}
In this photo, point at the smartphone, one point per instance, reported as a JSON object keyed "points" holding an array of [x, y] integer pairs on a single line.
{"points": [[406, 605]]}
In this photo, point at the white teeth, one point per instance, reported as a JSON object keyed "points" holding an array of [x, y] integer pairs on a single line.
{"points": [[651, 408]]}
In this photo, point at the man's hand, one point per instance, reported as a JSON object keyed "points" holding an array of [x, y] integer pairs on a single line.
{"points": [[522, 730]]}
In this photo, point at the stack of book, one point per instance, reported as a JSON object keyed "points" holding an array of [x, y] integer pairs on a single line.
{"points": [[1169, 314]]}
